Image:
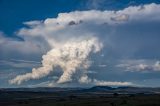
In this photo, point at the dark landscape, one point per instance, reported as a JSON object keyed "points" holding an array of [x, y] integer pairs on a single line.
{"points": [[95, 96]]}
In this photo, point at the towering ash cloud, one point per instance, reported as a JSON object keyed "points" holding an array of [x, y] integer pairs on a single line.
{"points": [[70, 57]]}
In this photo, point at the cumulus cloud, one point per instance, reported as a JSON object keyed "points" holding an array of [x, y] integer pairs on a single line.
{"points": [[112, 83], [85, 79], [70, 57], [71, 37], [73, 24], [50, 26], [140, 65]]}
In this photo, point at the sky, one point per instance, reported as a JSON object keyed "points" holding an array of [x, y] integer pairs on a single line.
{"points": [[79, 43]]}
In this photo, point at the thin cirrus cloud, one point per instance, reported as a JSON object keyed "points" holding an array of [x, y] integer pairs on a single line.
{"points": [[19, 63], [9, 45], [72, 38]]}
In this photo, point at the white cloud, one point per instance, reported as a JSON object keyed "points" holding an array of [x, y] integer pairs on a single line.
{"points": [[50, 25], [140, 65], [53, 30], [70, 57], [112, 83], [85, 79], [73, 33]]}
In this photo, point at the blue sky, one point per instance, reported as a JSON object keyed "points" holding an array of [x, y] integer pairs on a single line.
{"points": [[79, 43]]}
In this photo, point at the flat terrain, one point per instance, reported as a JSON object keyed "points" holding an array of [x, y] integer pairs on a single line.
{"points": [[71, 98]]}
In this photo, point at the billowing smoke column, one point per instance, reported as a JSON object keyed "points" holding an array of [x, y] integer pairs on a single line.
{"points": [[69, 57]]}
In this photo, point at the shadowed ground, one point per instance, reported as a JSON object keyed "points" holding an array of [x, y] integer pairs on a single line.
{"points": [[23, 98]]}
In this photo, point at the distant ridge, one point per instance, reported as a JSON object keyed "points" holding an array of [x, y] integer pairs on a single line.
{"points": [[105, 89], [99, 88]]}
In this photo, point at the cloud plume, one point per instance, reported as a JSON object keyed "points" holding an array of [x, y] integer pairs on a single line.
{"points": [[70, 57]]}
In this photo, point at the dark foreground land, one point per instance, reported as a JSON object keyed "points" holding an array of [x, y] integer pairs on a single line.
{"points": [[91, 97]]}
